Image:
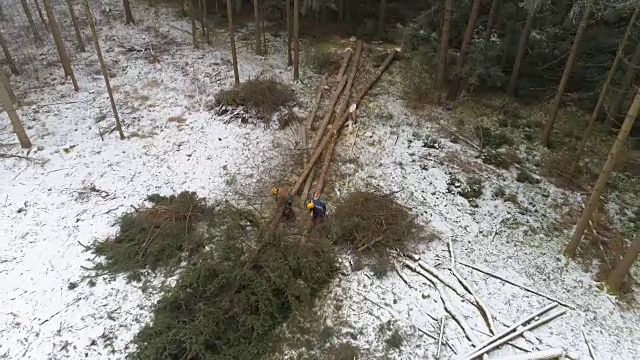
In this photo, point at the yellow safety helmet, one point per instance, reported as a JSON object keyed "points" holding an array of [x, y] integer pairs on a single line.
{"points": [[310, 206], [274, 191]]}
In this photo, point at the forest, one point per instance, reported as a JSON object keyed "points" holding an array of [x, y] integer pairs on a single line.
{"points": [[319, 179]]}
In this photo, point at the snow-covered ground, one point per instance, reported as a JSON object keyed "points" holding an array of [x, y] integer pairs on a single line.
{"points": [[49, 209]]}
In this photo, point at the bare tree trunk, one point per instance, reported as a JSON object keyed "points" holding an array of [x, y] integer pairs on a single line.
{"points": [[510, 29], [203, 20], [599, 188], [42, 19], [262, 27], [256, 16], [491, 22], [605, 88], [183, 12], [103, 67], [289, 33], [7, 102], [2, 15], [62, 52], [76, 28], [381, 18], [234, 58], [194, 27], [341, 10], [7, 86], [128, 16], [32, 24], [443, 50], [630, 256], [627, 80], [296, 39], [522, 48], [7, 55], [555, 106], [462, 57]]}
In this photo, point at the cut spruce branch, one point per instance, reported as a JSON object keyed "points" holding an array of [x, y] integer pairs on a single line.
{"points": [[514, 335], [448, 306], [537, 355], [526, 288], [514, 327], [340, 123], [482, 307]]}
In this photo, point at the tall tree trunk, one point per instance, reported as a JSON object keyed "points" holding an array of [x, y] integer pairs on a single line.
{"points": [[62, 52], [462, 57], [7, 86], [599, 188], [623, 89], [340, 10], [605, 88], [194, 27], [183, 12], [103, 67], [507, 46], [7, 55], [32, 24], [296, 39], [256, 15], [289, 33], [381, 18], [41, 15], [128, 16], [2, 15], [443, 50], [76, 28], [624, 265], [262, 27], [234, 58], [203, 20], [522, 48], [555, 106], [7, 102], [491, 22]]}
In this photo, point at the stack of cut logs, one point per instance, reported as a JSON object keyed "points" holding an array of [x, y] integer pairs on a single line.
{"points": [[327, 134]]}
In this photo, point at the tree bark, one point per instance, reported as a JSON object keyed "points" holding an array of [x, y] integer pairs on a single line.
{"points": [[62, 52], [296, 39], [76, 28], [605, 88], [256, 16], [7, 86], [203, 20], [381, 18], [555, 106], [341, 11], [103, 67], [194, 27], [232, 39], [621, 270], [601, 184], [289, 33], [42, 19], [7, 55], [462, 57], [128, 16], [627, 80], [182, 10], [443, 50], [7, 102], [522, 48], [510, 30], [491, 22], [32, 24]]}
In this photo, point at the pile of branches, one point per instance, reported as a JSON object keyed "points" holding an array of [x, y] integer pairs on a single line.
{"points": [[230, 301], [155, 237], [262, 97], [372, 224]]}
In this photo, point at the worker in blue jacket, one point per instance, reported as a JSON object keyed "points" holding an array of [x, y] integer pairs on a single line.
{"points": [[318, 210]]}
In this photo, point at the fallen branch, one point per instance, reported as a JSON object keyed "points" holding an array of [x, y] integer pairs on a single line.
{"points": [[482, 307], [448, 306], [514, 327], [39, 161], [440, 338], [537, 355], [404, 279], [518, 285], [586, 340], [438, 275], [514, 335]]}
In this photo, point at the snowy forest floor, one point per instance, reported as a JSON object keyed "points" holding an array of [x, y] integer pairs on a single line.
{"points": [[78, 182]]}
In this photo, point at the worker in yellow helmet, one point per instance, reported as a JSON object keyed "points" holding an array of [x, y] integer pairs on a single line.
{"points": [[318, 210], [284, 202]]}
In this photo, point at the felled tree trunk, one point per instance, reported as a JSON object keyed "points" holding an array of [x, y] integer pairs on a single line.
{"points": [[601, 184]]}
